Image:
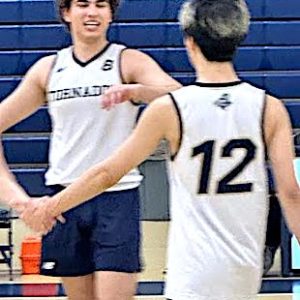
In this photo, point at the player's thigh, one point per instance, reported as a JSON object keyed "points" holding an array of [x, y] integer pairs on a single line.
{"points": [[114, 285], [79, 288]]}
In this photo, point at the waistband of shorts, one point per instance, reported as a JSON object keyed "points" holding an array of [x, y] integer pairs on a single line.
{"points": [[56, 188]]}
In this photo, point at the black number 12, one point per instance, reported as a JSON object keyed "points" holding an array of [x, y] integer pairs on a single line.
{"points": [[224, 185]]}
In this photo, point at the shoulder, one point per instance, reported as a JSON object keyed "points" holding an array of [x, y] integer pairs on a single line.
{"points": [[44, 64], [134, 65], [276, 114], [47, 61], [40, 70], [160, 117], [162, 108], [271, 100], [274, 106], [163, 102], [132, 54]]}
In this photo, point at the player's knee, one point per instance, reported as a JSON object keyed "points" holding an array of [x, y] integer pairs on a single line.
{"points": [[114, 296], [82, 296]]}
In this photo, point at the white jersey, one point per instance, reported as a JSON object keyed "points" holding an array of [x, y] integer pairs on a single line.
{"points": [[84, 134], [218, 194]]}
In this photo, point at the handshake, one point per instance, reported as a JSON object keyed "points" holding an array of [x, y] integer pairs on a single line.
{"points": [[39, 214]]}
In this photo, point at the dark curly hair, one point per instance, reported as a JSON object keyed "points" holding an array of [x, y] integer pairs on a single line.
{"points": [[66, 4]]}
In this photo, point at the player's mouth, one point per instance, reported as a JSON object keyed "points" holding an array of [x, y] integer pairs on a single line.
{"points": [[92, 25]]}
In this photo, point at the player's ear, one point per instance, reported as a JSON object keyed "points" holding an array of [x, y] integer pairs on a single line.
{"points": [[189, 43], [66, 15]]}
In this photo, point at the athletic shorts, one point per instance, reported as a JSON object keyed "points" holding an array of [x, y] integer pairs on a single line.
{"points": [[102, 234]]}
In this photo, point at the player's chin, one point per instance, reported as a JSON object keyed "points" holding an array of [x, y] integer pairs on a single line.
{"points": [[92, 36]]}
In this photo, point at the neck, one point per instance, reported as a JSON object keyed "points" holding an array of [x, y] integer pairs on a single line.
{"points": [[85, 50], [215, 72], [211, 71]]}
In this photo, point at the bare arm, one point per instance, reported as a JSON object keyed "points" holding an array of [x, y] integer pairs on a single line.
{"points": [[11, 193], [142, 69], [158, 121], [28, 96], [278, 133], [144, 80]]}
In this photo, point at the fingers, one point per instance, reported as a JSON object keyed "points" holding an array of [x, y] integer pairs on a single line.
{"points": [[28, 211], [115, 95], [61, 219], [111, 99], [37, 216], [43, 228], [18, 205]]}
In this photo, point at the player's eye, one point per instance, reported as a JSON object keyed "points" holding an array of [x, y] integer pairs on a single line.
{"points": [[82, 3], [102, 4]]}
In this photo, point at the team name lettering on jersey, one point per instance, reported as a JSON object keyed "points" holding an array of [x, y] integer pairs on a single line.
{"points": [[78, 92]]}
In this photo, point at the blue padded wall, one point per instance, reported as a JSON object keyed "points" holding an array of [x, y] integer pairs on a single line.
{"points": [[29, 29]]}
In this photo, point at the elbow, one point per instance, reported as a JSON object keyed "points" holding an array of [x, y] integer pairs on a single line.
{"points": [[290, 201], [291, 195], [110, 179], [106, 178]]}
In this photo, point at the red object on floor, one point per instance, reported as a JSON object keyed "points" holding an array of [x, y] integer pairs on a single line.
{"points": [[40, 290], [31, 255]]}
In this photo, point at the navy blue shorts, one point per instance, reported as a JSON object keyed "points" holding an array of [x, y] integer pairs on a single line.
{"points": [[100, 235]]}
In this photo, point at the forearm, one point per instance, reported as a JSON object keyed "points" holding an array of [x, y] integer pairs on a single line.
{"points": [[12, 193], [146, 93], [291, 210], [92, 183]]}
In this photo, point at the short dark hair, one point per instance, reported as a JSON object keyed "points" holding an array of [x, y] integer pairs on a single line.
{"points": [[66, 4], [217, 26]]}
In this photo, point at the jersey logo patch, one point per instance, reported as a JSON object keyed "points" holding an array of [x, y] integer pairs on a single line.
{"points": [[108, 65], [60, 69], [48, 265], [223, 102]]}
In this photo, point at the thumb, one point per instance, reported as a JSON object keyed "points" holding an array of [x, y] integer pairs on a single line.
{"points": [[61, 219]]}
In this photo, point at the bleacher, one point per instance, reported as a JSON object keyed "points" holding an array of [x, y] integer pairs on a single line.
{"points": [[269, 58]]}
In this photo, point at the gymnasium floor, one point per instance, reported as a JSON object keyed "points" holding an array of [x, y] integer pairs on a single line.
{"points": [[154, 246], [265, 297], [36, 287], [35, 290]]}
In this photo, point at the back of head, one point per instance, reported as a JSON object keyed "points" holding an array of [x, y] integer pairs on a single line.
{"points": [[217, 26]]}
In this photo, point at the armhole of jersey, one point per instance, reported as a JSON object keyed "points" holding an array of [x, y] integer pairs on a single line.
{"points": [[173, 156], [120, 68], [263, 112], [122, 77], [50, 73], [134, 103]]}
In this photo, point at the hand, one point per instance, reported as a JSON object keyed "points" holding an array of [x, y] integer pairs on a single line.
{"points": [[18, 205], [38, 215], [117, 94]]}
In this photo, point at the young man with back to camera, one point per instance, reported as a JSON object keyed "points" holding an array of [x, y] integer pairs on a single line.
{"points": [[97, 251]]}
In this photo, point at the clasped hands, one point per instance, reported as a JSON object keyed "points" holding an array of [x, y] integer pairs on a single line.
{"points": [[38, 213]]}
